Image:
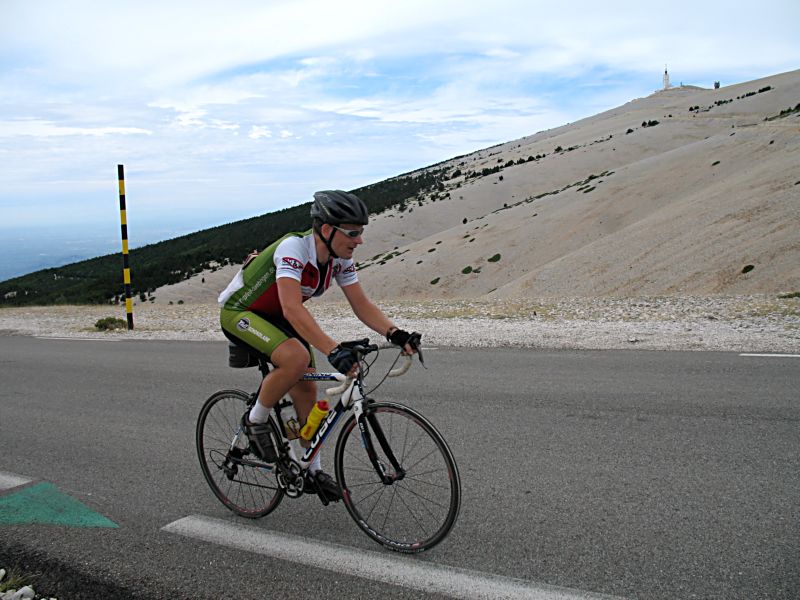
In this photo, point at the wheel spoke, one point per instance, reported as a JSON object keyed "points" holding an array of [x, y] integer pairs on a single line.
{"points": [[358, 457], [422, 497], [378, 490], [377, 501], [219, 440], [392, 495], [433, 450], [413, 515], [374, 482]]}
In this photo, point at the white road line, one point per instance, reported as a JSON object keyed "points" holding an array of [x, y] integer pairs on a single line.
{"points": [[774, 355], [386, 567], [75, 339], [11, 480]]}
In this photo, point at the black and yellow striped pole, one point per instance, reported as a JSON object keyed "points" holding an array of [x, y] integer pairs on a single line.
{"points": [[126, 269]]}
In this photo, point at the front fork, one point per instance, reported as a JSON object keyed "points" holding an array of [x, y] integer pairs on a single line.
{"points": [[368, 426]]}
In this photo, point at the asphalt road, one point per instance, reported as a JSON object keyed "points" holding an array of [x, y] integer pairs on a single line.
{"points": [[628, 473]]}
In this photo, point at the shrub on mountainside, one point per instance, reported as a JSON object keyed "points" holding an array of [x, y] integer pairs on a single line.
{"points": [[784, 113], [110, 324]]}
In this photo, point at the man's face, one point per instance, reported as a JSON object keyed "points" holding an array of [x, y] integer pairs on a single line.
{"points": [[343, 244]]}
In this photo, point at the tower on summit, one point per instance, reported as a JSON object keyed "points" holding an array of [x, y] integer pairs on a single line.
{"points": [[666, 78]]}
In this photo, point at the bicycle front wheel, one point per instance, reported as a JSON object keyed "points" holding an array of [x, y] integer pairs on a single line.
{"points": [[243, 482], [407, 496]]}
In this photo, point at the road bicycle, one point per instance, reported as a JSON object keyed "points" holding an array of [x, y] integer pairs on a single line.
{"points": [[397, 475]]}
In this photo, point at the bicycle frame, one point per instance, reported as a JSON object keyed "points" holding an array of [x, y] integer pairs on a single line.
{"points": [[350, 394], [330, 420]]}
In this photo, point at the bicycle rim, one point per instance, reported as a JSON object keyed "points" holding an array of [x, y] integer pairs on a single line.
{"points": [[242, 482], [416, 512]]}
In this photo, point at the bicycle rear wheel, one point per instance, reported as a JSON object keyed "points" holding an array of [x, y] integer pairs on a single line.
{"points": [[418, 508], [242, 481]]}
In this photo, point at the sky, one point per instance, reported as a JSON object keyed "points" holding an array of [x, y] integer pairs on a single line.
{"points": [[221, 111]]}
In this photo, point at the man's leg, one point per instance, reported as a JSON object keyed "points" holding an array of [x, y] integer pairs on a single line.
{"points": [[290, 360], [304, 395]]}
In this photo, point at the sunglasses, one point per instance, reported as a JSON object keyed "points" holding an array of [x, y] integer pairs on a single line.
{"points": [[351, 233]]}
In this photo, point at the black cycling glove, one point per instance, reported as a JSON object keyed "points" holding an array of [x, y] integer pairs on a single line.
{"points": [[342, 359], [398, 337]]}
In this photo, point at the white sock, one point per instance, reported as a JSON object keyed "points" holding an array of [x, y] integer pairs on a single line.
{"points": [[316, 464], [259, 413]]}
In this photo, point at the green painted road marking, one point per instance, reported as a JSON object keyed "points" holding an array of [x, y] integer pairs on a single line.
{"points": [[43, 503]]}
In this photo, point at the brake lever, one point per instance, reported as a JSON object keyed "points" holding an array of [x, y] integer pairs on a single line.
{"points": [[415, 341]]}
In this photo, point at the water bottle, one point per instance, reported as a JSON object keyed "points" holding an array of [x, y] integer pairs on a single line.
{"points": [[290, 421], [314, 419]]}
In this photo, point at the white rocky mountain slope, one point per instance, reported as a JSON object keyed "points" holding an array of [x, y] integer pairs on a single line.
{"points": [[688, 191]]}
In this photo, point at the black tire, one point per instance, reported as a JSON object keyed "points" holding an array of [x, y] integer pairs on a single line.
{"points": [[242, 482], [416, 512]]}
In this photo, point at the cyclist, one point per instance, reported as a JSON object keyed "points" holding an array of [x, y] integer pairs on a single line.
{"points": [[262, 307]]}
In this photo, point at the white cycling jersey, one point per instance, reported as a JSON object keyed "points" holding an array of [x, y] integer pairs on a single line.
{"points": [[295, 256]]}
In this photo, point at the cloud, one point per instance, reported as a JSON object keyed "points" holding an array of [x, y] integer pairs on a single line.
{"points": [[258, 132], [150, 42], [44, 129]]}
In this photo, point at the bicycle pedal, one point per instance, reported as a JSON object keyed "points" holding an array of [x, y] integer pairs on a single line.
{"points": [[292, 490]]}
